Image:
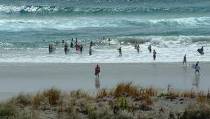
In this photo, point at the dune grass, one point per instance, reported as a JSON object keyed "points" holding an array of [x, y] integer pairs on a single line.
{"points": [[124, 101]]}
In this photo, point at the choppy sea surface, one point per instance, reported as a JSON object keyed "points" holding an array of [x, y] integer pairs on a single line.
{"points": [[172, 27]]}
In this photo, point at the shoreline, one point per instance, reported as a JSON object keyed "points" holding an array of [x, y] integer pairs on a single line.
{"points": [[31, 77]]}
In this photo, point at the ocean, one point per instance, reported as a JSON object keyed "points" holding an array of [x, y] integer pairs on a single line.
{"points": [[173, 28]]}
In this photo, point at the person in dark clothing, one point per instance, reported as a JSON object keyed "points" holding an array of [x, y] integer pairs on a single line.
{"points": [[197, 67], [185, 59], [66, 48], [81, 48], [138, 48], [97, 71], [154, 55], [91, 43], [51, 48], [76, 42], [150, 48], [90, 51], [109, 41], [120, 51], [72, 44]]}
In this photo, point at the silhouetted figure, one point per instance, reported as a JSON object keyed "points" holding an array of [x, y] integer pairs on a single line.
{"points": [[63, 41], [138, 48], [91, 43], [90, 50], [76, 43], [66, 48], [197, 67], [51, 48], [97, 71], [154, 55], [150, 48], [109, 41], [120, 51], [72, 44], [201, 50], [185, 59], [81, 48]]}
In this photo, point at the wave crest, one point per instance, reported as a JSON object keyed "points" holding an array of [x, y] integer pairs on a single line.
{"points": [[30, 9]]}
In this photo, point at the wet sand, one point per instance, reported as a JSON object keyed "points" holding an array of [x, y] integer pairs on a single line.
{"points": [[31, 77]]}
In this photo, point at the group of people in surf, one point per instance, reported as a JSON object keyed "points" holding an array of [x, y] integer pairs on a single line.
{"points": [[74, 44], [137, 47], [79, 47]]}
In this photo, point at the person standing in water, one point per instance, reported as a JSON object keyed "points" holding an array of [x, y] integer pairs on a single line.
{"points": [[185, 59], [150, 48], [138, 48], [154, 55], [91, 43], [72, 44], [109, 41], [66, 48], [81, 48], [90, 50], [120, 51]]}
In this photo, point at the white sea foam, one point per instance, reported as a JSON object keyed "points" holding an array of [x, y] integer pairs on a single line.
{"points": [[88, 22], [167, 51]]}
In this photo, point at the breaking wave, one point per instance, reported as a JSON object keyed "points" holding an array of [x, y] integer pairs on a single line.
{"points": [[56, 10]]}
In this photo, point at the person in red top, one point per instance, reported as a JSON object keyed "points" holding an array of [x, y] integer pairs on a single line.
{"points": [[97, 71]]}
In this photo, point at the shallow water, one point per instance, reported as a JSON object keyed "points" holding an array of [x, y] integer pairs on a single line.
{"points": [[172, 27]]}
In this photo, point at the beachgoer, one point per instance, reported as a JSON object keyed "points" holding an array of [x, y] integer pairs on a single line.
{"points": [[81, 48], [51, 48], [72, 44], [97, 71], [120, 51], [76, 42], [154, 55], [185, 59], [138, 48], [66, 48], [150, 48], [91, 43], [90, 51], [109, 41], [197, 67]]}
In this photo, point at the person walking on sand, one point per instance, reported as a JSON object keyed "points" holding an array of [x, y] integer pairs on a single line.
{"points": [[150, 48], [97, 71], [120, 51], [154, 55], [197, 67], [185, 59]]}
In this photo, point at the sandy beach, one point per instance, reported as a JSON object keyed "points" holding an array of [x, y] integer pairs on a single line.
{"points": [[31, 77]]}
